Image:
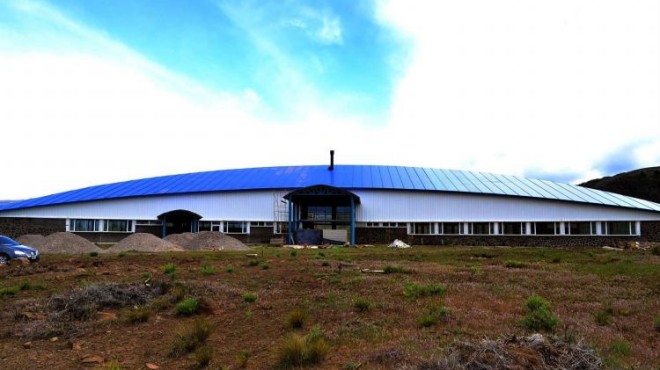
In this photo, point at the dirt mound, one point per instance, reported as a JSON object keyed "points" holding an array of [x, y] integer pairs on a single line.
{"points": [[144, 243], [207, 240], [63, 242], [32, 240], [533, 352]]}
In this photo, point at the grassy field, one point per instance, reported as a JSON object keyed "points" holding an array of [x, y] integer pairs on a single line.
{"points": [[322, 308]]}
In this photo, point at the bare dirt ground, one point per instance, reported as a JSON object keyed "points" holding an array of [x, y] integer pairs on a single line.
{"points": [[122, 311]]}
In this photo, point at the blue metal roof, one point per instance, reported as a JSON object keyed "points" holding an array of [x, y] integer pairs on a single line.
{"points": [[343, 176]]}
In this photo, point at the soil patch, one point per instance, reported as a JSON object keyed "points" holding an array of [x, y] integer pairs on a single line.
{"points": [[63, 242], [207, 241], [32, 240], [143, 242]]}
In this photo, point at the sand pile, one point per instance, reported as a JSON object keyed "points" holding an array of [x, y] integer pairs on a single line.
{"points": [[207, 240], [32, 240], [144, 243], [63, 242]]}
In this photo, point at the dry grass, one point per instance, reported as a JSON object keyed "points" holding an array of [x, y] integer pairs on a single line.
{"points": [[483, 297]]}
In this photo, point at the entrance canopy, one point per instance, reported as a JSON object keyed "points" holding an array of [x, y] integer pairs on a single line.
{"points": [[321, 207], [179, 221]]}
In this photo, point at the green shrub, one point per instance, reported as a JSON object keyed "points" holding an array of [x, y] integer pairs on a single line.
{"points": [[187, 307], [170, 269], [249, 297], [136, 315], [656, 323], [242, 359], [395, 270], [620, 347], [208, 270], [190, 337], [25, 285], [122, 254], [113, 365], [229, 269], [93, 254], [265, 266], [296, 350], [146, 276], [203, 356], [413, 290], [293, 253], [296, 318], [253, 263], [434, 314], [362, 305], [604, 315], [511, 264], [538, 314], [9, 291]]}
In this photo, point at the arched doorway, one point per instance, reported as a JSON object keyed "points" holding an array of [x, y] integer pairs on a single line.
{"points": [[179, 221], [321, 208]]}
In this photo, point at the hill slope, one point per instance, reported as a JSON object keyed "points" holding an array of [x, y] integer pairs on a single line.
{"points": [[643, 183]]}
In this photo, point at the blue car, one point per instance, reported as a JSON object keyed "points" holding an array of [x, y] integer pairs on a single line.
{"points": [[11, 249]]}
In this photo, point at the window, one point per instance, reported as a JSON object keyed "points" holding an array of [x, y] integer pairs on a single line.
{"points": [[118, 226], [481, 228], [281, 228], [390, 224], [619, 228], [343, 214], [83, 225], [580, 228], [261, 224], [380, 224], [319, 213], [545, 228], [421, 228], [512, 228], [451, 228], [235, 227], [148, 223]]}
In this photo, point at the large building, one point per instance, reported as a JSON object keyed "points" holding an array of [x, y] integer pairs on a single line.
{"points": [[353, 203]]}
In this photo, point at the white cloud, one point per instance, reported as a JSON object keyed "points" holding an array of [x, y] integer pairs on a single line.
{"points": [[513, 86]]}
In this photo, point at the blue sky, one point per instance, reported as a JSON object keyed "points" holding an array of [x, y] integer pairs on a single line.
{"points": [[95, 91]]}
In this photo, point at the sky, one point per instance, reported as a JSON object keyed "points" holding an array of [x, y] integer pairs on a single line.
{"points": [[95, 91]]}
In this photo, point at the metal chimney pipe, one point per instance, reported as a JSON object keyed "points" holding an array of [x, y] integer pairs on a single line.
{"points": [[332, 160]]}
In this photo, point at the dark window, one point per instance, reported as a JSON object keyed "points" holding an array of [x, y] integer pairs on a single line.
{"points": [[452, 228], [579, 228], [618, 228], [512, 228], [545, 228], [481, 228]]}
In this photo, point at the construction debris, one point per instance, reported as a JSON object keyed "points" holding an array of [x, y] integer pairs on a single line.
{"points": [[399, 244]]}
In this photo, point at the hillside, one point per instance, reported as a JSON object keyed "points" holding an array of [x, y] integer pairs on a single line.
{"points": [[643, 183]]}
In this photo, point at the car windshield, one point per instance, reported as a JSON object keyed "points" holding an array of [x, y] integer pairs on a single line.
{"points": [[5, 241]]}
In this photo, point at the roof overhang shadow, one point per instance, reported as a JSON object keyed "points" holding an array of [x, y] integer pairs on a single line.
{"points": [[316, 192]]}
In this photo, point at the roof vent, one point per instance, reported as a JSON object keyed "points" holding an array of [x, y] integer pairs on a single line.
{"points": [[332, 160]]}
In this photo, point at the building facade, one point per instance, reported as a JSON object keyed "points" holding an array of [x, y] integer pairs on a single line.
{"points": [[344, 203]]}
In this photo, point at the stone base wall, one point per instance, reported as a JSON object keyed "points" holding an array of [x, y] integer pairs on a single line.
{"points": [[156, 230], [14, 227], [113, 237], [651, 231], [257, 235], [379, 235]]}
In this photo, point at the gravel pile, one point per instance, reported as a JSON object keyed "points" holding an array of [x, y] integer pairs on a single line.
{"points": [[63, 242], [143, 242], [207, 240], [31, 240]]}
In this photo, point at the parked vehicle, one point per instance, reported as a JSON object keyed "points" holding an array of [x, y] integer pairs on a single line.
{"points": [[11, 249]]}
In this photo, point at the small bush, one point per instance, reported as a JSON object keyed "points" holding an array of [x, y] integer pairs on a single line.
{"points": [[136, 315], [656, 250], [604, 315], [296, 318], [293, 253], [122, 254], [190, 337], [9, 291], [229, 269], [187, 307], [25, 285], [511, 264], [265, 266], [362, 305], [620, 347], [539, 316], [93, 254], [242, 359], [434, 314], [249, 297], [253, 263], [113, 365], [208, 270], [325, 264], [656, 323], [413, 290], [556, 260], [296, 350], [146, 276], [395, 270], [203, 356], [170, 269]]}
